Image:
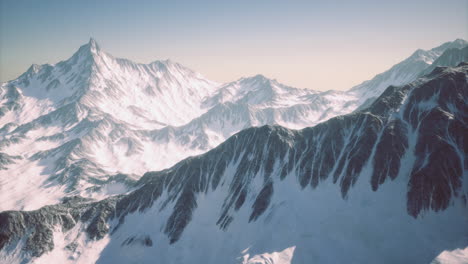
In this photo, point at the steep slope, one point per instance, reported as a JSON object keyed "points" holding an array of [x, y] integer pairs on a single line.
{"points": [[394, 178]]}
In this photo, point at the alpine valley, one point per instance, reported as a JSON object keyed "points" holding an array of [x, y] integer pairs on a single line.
{"points": [[110, 161]]}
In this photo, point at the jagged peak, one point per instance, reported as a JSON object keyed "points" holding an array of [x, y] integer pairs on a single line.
{"points": [[254, 80], [418, 52], [258, 77], [460, 41], [458, 44], [167, 63], [171, 66], [34, 68], [91, 48], [93, 44], [418, 56]]}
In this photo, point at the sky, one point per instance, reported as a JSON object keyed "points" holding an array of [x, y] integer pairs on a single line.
{"points": [[320, 45]]}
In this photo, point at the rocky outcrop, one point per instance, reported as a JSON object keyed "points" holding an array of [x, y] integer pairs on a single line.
{"points": [[37, 227]]}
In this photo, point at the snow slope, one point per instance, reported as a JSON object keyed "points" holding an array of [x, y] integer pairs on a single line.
{"points": [[384, 185]]}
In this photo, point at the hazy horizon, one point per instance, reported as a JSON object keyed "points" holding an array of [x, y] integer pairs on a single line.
{"points": [[317, 45]]}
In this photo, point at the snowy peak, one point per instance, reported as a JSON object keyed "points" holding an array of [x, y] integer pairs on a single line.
{"points": [[259, 81], [170, 66], [423, 55], [258, 91], [259, 78], [429, 56], [119, 87], [91, 48], [450, 58], [403, 72], [456, 44]]}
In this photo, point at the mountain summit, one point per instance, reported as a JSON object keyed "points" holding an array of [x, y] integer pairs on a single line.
{"points": [[90, 48]]}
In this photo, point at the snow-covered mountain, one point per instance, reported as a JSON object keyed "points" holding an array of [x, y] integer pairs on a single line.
{"points": [[387, 184], [96, 120], [68, 124], [93, 124], [144, 96]]}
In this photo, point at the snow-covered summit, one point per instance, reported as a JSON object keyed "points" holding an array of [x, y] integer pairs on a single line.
{"points": [[91, 48]]}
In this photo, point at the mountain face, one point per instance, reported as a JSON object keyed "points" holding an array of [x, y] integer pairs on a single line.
{"points": [[391, 178], [93, 124]]}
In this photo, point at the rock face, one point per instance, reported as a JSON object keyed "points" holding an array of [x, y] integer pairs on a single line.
{"points": [[441, 147], [393, 175]]}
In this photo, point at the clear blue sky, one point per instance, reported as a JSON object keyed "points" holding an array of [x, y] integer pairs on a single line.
{"points": [[312, 44]]}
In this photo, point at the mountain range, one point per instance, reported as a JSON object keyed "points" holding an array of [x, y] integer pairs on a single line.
{"points": [[382, 164], [93, 124]]}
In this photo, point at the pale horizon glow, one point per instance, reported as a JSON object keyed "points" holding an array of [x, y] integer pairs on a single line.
{"points": [[321, 45]]}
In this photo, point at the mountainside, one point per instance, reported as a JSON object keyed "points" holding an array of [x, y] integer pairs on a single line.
{"points": [[93, 124], [387, 184]]}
